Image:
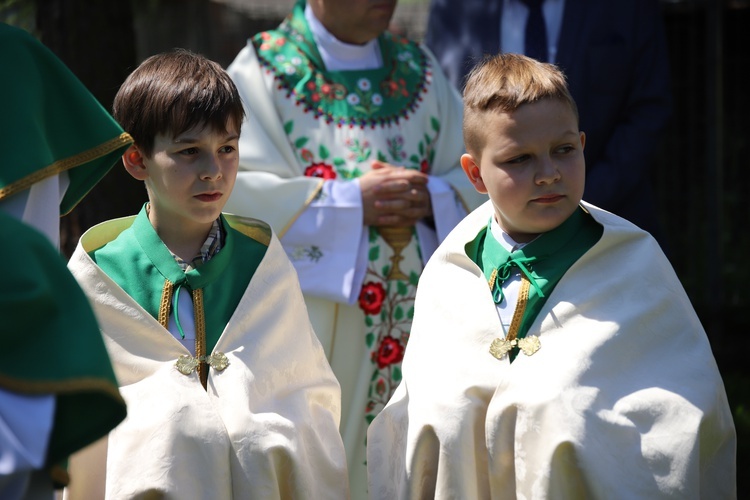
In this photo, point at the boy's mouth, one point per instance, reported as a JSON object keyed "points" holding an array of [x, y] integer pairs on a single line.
{"points": [[549, 198], [208, 197]]}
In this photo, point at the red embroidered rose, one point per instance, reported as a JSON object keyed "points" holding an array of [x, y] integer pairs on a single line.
{"points": [[321, 170], [390, 351], [424, 166], [371, 297]]}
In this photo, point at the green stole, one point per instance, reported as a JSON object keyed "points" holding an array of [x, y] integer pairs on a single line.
{"points": [[139, 262], [52, 343], [542, 262]]}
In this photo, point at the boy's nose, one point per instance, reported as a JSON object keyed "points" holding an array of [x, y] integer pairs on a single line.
{"points": [[211, 170], [547, 171]]}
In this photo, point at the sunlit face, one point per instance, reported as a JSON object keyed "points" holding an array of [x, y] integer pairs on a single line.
{"points": [[190, 177], [354, 21], [531, 166]]}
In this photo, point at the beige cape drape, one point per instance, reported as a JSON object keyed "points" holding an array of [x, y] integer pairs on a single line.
{"points": [[623, 400], [266, 427]]}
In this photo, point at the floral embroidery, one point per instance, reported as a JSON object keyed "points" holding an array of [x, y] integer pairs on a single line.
{"points": [[390, 351], [396, 148], [371, 297], [312, 253], [389, 308], [322, 170], [358, 151]]}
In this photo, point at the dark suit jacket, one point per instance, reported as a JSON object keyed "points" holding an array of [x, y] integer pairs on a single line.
{"points": [[614, 55]]}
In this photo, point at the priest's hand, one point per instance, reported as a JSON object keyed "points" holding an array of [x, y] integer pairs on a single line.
{"points": [[394, 196]]}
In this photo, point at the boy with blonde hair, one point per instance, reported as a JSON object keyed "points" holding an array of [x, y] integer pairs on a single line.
{"points": [[229, 393], [554, 352]]}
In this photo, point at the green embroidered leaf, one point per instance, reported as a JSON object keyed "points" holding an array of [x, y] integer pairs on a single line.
{"points": [[427, 139], [386, 270], [370, 337], [414, 158], [410, 313], [413, 278], [323, 152], [338, 161], [373, 234], [369, 418], [421, 149], [300, 142], [396, 374], [398, 314], [382, 315], [402, 288], [435, 124], [432, 156], [374, 253], [374, 375], [382, 157], [288, 126], [368, 320], [356, 173]]}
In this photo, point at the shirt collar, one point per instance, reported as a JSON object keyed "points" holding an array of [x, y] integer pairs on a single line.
{"points": [[340, 56]]}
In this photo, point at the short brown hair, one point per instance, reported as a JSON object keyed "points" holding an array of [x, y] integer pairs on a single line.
{"points": [[504, 82], [172, 92]]}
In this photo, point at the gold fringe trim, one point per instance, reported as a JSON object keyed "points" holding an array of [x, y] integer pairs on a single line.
{"points": [[65, 164], [166, 303], [200, 335]]}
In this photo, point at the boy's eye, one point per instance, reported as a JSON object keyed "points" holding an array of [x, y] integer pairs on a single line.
{"points": [[518, 159], [227, 149], [565, 149], [189, 151]]}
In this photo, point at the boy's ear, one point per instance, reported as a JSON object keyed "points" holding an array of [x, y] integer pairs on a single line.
{"points": [[133, 161], [471, 169]]}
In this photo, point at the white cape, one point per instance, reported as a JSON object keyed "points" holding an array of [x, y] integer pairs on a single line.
{"points": [[266, 427], [623, 400]]}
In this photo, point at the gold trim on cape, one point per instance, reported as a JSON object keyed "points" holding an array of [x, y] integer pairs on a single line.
{"points": [[65, 164]]}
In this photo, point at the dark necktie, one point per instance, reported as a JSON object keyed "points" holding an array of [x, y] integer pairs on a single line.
{"points": [[536, 31]]}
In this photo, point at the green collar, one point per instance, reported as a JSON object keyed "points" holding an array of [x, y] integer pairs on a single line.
{"points": [[355, 98], [532, 260], [165, 263]]}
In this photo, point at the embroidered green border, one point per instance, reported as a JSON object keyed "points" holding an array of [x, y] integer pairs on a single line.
{"points": [[348, 98]]}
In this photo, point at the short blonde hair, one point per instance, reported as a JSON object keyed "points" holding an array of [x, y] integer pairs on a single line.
{"points": [[504, 82]]}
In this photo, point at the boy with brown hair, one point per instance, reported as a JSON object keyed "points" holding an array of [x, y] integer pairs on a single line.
{"points": [[554, 352], [229, 393]]}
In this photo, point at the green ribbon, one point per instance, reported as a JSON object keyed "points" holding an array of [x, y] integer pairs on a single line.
{"points": [[504, 273]]}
